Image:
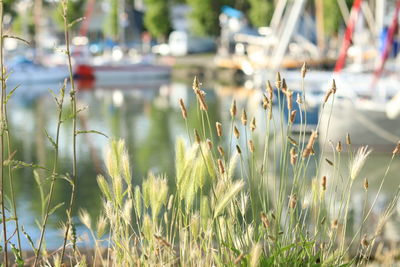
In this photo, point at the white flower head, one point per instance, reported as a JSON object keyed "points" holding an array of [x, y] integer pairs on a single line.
{"points": [[359, 161]]}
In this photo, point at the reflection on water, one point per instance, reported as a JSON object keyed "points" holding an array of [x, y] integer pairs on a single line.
{"points": [[149, 120]]}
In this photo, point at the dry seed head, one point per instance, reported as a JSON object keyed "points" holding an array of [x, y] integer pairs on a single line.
{"points": [[292, 201], [339, 147], [218, 125], [333, 87], [244, 117], [293, 156], [197, 136], [304, 69], [236, 132], [278, 81], [238, 149], [251, 146], [364, 241], [221, 166], [334, 224], [253, 124], [329, 161], [202, 101], [183, 108], [327, 95], [289, 98], [221, 151], [270, 91], [265, 103], [196, 84], [293, 116], [265, 220], [239, 258], [323, 183], [396, 150], [233, 109], [309, 149], [348, 140], [209, 144], [284, 85], [366, 184]]}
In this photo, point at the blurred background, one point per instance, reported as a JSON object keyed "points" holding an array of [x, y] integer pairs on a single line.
{"points": [[134, 59]]}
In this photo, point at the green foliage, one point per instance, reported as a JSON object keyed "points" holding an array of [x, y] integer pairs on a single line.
{"points": [[111, 26], [204, 16], [333, 18], [76, 9], [260, 12], [156, 18]]}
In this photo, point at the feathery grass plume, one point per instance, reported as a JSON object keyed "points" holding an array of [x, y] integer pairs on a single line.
{"points": [[84, 217], [197, 136], [366, 184], [232, 165], [101, 226], [209, 144], [358, 161], [127, 211], [104, 187], [304, 69], [221, 166], [284, 86], [218, 125], [348, 139], [244, 118], [293, 156], [270, 91], [278, 81], [289, 99], [221, 151], [126, 170], [236, 132], [309, 148], [339, 147], [255, 255], [238, 149], [233, 109], [155, 191], [251, 146], [147, 227], [323, 183], [253, 124], [264, 220], [183, 108], [227, 196], [396, 150], [293, 116], [292, 201]]}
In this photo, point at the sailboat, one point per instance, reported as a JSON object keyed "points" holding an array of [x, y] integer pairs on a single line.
{"points": [[365, 105]]}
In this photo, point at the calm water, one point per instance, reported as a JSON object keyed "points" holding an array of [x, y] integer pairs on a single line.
{"points": [[148, 119]]}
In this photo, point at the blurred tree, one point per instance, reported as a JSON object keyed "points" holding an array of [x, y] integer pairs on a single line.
{"points": [[76, 9], [260, 12], [333, 17], [157, 19], [205, 15], [111, 26]]}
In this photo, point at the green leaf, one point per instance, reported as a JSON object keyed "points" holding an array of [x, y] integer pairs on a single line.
{"points": [[55, 208], [51, 139], [91, 131], [10, 94], [29, 240]]}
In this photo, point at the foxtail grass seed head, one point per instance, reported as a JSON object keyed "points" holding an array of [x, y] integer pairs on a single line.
{"points": [[233, 109], [327, 95], [209, 144], [183, 108], [284, 85], [236, 132], [309, 148], [244, 117], [348, 139], [251, 146], [304, 69], [289, 99], [396, 150], [221, 167], [238, 149], [253, 124], [293, 156], [293, 116], [339, 147], [264, 220], [265, 103], [333, 87], [197, 136], [218, 125], [366, 184], [323, 183], [221, 151], [293, 201], [196, 84], [202, 101], [270, 90], [364, 241], [278, 81], [334, 224]]}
